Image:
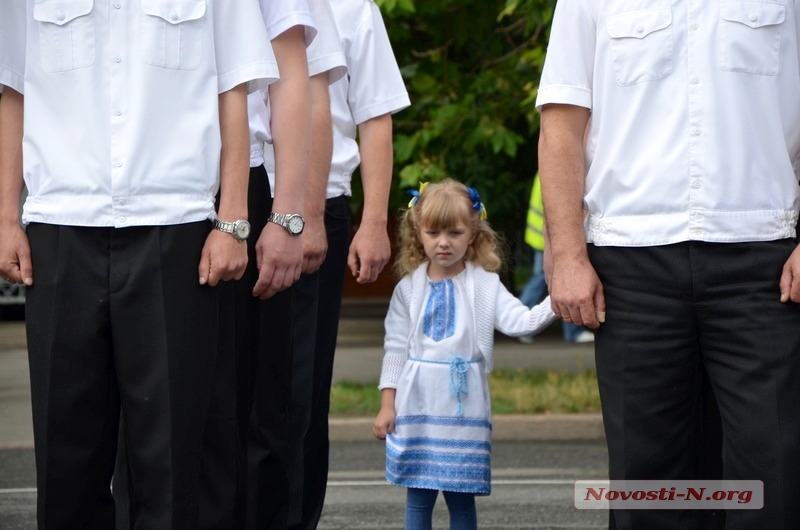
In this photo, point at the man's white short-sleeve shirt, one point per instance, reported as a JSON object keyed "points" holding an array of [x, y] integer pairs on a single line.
{"points": [[12, 45], [695, 116], [372, 88], [324, 54], [121, 104], [280, 15]]}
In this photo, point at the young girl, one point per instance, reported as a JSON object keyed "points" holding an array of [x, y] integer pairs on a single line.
{"points": [[435, 412]]}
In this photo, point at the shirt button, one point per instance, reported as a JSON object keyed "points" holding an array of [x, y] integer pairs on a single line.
{"points": [[695, 25], [121, 220], [121, 202], [117, 59], [118, 113], [753, 17], [117, 5], [696, 185], [60, 15], [695, 132], [640, 29], [695, 80], [173, 17], [118, 163], [698, 217], [695, 231]]}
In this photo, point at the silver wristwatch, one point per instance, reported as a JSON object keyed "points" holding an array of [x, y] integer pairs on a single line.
{"points": [[292, 222], [239, 229]]}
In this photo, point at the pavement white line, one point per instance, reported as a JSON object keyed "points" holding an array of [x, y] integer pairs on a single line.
{"points": [[354, 483], [16, 445], [516, 473], [505, 482]]}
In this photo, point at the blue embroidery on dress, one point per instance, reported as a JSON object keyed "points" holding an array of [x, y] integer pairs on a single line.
{"points": [[475, 459], [439, 320], [475, 474], [443, 420], [458, 463], [478, 445], [482, 488]]}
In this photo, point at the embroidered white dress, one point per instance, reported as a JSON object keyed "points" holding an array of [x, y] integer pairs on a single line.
{"points": [[442, 437]]}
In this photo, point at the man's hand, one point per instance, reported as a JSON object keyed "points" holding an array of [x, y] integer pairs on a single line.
{"points": [[279, 258], [576, 293], [315, 244], [223, 258], [15, 255], [790, 278], [369, 253]]}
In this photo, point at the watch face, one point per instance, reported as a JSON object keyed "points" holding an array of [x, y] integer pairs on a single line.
{"points": [[295, 224], [242, 229]]}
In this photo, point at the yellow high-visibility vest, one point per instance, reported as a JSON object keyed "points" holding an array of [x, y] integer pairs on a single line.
{"points": [[534, 232]]}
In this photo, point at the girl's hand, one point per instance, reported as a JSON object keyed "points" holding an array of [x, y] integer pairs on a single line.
{"points": [[384, 423]]}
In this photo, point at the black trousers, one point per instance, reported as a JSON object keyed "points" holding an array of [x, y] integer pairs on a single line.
{"points": [[304, 337], [245, 479], [287, 373], [117, 322], [318, 301], [671, 310]]}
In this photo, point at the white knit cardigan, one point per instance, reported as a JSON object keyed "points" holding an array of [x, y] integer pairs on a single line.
{"points": [[493, 307]]}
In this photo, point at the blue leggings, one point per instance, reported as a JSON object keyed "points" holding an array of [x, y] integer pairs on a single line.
{"points": [[419, 509]]}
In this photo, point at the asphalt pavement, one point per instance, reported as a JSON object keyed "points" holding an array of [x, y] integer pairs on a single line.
{"points": [[532, 488], [537, 457]]}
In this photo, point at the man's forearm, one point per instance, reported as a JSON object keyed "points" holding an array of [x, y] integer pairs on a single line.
{"points": [[377, 159], [561, 168], [234, 156], [321, 146], [11, 182], [290, 104]]}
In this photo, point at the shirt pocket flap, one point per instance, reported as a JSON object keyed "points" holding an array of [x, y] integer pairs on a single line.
{"points": [[638, 24], [175, 11], [753, 14], [60, 12]]}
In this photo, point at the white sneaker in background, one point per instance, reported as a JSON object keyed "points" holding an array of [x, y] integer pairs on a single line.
{"points": [[584, 336], [526, 339]]}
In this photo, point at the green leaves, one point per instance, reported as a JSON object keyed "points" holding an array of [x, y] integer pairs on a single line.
{"points": [[394, 6], [472, 69]]}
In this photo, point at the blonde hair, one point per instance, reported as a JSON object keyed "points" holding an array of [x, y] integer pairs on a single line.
{"points": [[443, 205]]}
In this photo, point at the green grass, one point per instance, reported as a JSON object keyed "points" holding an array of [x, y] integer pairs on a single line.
{"points": [[355, 399], [527, 392], [513, 392]]}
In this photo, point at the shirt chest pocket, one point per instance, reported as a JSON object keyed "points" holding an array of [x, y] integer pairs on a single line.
{"points": [[750, 36], [172, 33], [66, 34], [641, 45]]}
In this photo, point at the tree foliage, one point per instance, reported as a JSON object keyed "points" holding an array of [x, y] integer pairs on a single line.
{"points": [[472, 69]]}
